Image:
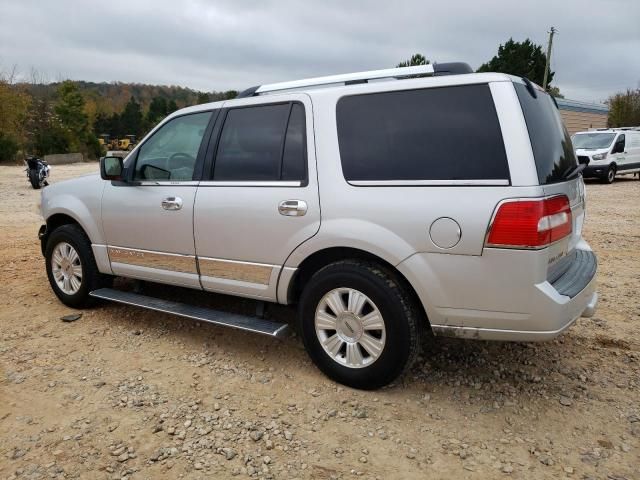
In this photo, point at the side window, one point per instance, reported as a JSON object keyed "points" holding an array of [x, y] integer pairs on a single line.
{"points": [[262, 143], [446, 133], [294, 158], [170, 154], [620, 144]]}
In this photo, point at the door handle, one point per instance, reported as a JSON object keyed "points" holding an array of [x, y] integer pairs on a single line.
{"points": [[292, 208], [172, 203]]}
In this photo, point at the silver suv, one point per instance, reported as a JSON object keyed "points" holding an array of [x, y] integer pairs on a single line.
{"points": [[383, 204]]}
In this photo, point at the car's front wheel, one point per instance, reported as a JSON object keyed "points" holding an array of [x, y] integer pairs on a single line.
{"points": [[359, 324], [610, 174], [71, 267]]}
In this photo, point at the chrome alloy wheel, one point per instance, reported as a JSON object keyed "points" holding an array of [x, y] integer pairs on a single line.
{"points": [[66, 268], [350, 327]]}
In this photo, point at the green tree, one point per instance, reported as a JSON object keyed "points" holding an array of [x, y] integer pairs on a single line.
{"points": [[203, 97], [70, 111], [416, 59], [131, 118], [46, 134], [102, 124], [14, 109], [624, 109], [172, 106], [555, 92], [523, 59], [158, 109], [8, 147]]}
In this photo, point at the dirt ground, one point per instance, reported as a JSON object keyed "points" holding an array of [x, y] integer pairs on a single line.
{"points": [[127, 393]]}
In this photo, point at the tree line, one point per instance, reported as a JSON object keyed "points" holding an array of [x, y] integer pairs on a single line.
{"points": [[40, 118]]}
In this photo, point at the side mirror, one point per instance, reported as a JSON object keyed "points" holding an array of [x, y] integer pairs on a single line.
{"points": [[111, 168]]}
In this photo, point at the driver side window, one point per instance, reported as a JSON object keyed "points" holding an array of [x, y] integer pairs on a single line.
{"points": [[170, 154]]}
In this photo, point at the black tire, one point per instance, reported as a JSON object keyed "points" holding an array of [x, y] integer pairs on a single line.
{"points": [[34, 179], [610, 176], [403, 320], [91, 277]]}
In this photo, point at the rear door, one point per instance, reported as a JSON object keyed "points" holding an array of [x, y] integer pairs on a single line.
{"points": [[261, 198]]}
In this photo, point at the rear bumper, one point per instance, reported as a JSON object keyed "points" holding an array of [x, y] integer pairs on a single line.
{"points": [[494, 297]]}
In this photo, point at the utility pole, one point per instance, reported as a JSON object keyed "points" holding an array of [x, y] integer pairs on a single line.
{"points": [[548, 62]]}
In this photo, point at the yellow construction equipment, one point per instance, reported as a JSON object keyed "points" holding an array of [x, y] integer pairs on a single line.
{"points": [[104, 140], [127, 143]]}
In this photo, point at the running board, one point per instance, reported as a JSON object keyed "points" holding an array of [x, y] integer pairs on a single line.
{"points": [[217, 317]]}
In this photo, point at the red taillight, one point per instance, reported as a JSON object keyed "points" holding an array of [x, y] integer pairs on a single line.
{"points": [[530, 223]]}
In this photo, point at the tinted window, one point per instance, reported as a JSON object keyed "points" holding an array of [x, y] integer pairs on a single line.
{"points": [[449, 133], [550, 141], [251, 143], [294, 158], [170, 154]]}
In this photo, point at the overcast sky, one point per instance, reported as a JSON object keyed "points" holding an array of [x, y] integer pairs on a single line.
{"points": [[234, 44]]}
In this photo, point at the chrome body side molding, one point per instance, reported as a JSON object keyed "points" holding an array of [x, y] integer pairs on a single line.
{"points": [[145, 258], [234, 270]]}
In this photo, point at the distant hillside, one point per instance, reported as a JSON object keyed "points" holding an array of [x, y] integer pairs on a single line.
{"points": [[70, 116], [112, 98]]}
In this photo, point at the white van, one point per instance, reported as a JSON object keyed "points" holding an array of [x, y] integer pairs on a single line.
{"points": [[608, 152]]}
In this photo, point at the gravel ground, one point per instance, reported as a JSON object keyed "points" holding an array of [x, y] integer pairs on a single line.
{"points": [[125, 393]]}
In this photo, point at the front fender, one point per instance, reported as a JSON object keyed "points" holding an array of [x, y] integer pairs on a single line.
{"points": [[80, 199], [84, 215]]}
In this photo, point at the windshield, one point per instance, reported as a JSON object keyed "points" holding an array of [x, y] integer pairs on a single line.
{"points": [[592, 141]]}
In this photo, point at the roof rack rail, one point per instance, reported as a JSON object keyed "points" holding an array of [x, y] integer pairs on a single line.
{"points": [[435, 69]]}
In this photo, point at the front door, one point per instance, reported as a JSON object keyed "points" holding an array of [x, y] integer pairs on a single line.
{"points": [[261, 200], [148, 219]]}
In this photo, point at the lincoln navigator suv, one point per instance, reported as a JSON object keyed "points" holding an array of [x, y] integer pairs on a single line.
{"points": [[383, 205]]}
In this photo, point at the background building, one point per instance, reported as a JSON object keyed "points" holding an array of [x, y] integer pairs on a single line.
{"points": [[579, 116]]}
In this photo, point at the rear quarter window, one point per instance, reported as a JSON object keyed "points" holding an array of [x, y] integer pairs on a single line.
{"points": [[444, 133], [550, 141]]}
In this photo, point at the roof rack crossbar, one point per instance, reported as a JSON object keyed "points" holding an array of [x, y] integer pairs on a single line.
{"points": [[348, 78]]}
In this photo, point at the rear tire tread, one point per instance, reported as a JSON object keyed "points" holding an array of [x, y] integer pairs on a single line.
{"points": [[397, 292]]}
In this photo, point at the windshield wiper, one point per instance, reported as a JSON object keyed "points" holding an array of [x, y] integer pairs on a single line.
{"points": [[573, 172]]}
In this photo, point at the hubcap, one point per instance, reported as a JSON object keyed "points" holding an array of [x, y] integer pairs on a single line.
{"points": [[612, 174], [66, 268], [350, 327]]}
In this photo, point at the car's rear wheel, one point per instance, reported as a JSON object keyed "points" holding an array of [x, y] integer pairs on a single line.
{"points": [[71, 267], [359, 324]]}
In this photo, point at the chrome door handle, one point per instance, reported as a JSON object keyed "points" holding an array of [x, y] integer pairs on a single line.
{"points": [[292, 208], [172, 203]]}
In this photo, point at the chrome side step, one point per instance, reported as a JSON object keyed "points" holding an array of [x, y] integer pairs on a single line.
{"points": [[217, 317]]}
